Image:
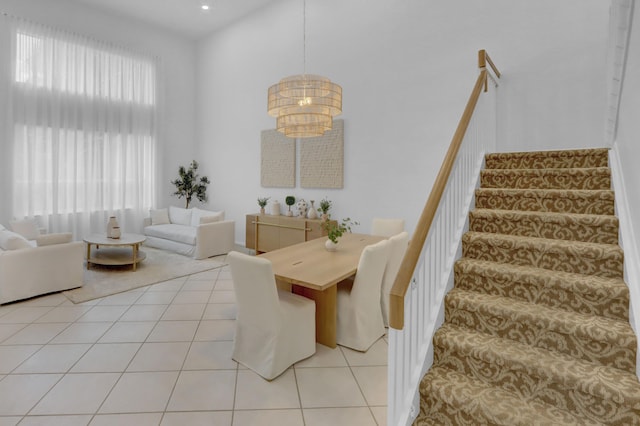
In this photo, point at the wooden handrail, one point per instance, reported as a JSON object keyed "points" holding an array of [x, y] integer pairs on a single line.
{"points": [[410, 260]]}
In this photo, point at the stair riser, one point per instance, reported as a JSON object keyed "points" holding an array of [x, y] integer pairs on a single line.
{"points": [[528, 385], [506, 286], [452, 398], [527, 201], [567, 259], [434, 411], [540, 179], [567, 159], [530, 227], [534, 334]]}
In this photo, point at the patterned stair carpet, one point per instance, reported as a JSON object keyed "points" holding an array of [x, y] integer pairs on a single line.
{"points": [[537, 327]]}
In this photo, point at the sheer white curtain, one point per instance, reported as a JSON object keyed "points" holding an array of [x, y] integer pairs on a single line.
{"points": [[84, 119]]}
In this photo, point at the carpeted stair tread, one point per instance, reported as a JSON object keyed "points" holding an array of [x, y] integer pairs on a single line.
{"points": [[536, 329], [561, 226], [605, 260], [598, 157], [463, 400], [583, 387], [590, 337], [587, 294], [581, 201], [564, 178]]}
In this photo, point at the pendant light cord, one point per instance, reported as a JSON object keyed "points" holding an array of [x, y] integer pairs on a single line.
{"points": [[304, 37]]}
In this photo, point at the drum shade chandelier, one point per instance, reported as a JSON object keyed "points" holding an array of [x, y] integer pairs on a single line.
{"points": [[304, 105]]}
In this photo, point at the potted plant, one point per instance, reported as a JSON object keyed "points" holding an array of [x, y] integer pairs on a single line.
{"points": [[188, 185], [335, 230], [325, 206], [289, 201], [262, 202]]}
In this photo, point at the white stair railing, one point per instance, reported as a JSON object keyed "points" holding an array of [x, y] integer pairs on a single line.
{"points": [[426, 274]]}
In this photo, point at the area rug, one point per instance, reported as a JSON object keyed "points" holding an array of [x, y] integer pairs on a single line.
{"points": [[160, 265]]}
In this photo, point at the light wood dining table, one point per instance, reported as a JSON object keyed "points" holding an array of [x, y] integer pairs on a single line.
{"points": [[314, 272]]}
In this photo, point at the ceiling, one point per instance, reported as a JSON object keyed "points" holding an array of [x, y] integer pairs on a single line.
{"points": [[184, 17]]}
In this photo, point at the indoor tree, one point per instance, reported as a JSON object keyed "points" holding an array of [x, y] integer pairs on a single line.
{"points": [[190, 184]]}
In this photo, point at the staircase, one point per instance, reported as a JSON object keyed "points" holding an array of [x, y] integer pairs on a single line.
{"points": [[537, 327]]}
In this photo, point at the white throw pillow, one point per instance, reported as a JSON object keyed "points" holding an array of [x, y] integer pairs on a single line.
{"points": [[51, 239], [159, 217], [199, 216], [12, 241], [179, 215], [28, 228]]}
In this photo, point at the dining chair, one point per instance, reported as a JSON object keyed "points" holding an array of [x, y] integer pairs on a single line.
{"points": [[386, 227], [274, 329], [398, 245], [360, 322]]}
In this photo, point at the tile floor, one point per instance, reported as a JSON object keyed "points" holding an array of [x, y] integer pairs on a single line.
{"points": [[161, 355]]}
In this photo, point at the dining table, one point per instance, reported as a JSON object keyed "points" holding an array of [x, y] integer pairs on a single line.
{"points": [[313, 271]]}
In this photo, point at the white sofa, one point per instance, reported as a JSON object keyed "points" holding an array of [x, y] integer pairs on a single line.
{"points": [[47, 264], [191, 232]]}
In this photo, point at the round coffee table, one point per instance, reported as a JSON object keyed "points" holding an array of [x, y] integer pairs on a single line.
{"points": [[115, 251]]}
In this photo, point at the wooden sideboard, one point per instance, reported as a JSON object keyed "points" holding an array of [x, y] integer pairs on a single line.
{"points": [[266, 232]]}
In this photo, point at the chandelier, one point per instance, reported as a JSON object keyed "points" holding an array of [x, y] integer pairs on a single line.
{"points": [[304, 105]]}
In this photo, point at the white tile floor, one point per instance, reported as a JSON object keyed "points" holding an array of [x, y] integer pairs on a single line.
{"points": [[161, 355]]}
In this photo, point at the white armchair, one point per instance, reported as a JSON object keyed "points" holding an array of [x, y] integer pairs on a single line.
{"points": [[29, 269]]}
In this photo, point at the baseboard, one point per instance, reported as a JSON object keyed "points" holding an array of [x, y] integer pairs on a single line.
{"points": [[629, 244]]}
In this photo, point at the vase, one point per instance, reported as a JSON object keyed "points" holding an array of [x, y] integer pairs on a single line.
{"points": [[261, 210], [325, 217], [112, 223], [302, 208], [312, 213], [115, 232], [330, 245], [275, 208]]}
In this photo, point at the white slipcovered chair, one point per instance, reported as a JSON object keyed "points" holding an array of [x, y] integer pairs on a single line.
{"points": [[360, 321], [386, 227], [398, 245], [274, 329], [37, 264]]}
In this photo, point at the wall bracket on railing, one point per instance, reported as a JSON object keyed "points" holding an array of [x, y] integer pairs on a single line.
{"points": [[483, 59]]}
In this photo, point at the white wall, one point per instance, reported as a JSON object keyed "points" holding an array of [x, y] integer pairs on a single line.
{"points": [[406, 69], [177, 59], [628, 136]]}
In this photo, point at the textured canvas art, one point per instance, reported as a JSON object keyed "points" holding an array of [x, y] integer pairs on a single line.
{"points": [[322, 159], [278, 160]]}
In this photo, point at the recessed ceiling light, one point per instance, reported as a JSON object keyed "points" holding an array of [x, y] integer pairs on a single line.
{"points": [[204, 6]]}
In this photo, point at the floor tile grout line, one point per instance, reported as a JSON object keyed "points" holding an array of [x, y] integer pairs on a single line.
{"points": [[295, 378], [186, 356], [360, 387], [191, 342]]}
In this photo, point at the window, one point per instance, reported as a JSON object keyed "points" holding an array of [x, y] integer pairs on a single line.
{"points": [[84, 129]]}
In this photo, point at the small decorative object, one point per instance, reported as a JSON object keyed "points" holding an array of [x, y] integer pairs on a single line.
{"points": [[325, 206], [302, 207], [111, 225], [312, 213], [289, 201], [275, 208], [336, 230], [262, 202], [115, 232], [187, 184]]}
